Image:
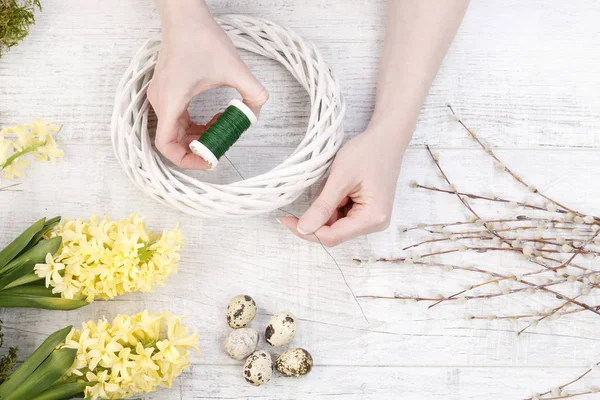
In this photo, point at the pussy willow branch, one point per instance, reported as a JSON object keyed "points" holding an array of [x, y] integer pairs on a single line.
{"points": [[510, 247], [454, 297], [446, 224], [514, 250], [585, 228], [580, 249], [529, 316], [460, 237], [589, 274], [508, 170], [507, 291], [498, 279], [472, 211], [505, 224], [537, 247], [560, 388], [462, 200], [530, 284], [568, 396], [515, 229], [548, 315], [481, 197], [493, 232], [546, 257]]}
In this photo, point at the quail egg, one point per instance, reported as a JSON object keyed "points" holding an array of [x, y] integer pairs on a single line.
{"points": [[294, 362], [240, 311], [281, 329], [241, 343], [258, 368]]}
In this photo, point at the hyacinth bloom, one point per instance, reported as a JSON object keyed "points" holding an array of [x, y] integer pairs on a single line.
{"points": [[101, 259], [19, 285], [63, 267], [20, 141], [133, 355]]}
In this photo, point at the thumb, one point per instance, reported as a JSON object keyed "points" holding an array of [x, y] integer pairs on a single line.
{"points": [[322, 209], [253, 92], [168, 132]]}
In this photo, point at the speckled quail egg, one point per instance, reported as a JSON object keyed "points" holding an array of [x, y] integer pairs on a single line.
{"points": [[281, 329], [294, 362], [240, 311], [258, 368], [240, 343]]}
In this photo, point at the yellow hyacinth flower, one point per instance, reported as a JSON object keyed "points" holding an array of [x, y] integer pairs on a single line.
{"points": [[5, 147], [17, 142], [131, 356], [15, 169], [103, 259]]}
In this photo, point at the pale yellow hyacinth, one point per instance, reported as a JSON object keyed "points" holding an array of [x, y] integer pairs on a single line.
{"points": [[134, 355], [20, 141], [101, 259]]}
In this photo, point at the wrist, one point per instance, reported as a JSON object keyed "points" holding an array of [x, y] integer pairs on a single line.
{"points": [[181, 15], [386, 145], [390, 131]]}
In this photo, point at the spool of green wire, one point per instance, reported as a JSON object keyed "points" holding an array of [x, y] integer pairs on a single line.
{"points": [[224, 132]]}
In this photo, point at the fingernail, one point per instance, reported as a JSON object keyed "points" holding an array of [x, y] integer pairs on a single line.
{"points": [[301, 231], [279, 220]]}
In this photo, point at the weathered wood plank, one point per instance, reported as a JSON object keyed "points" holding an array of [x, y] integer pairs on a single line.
{"points": [[256, 256], [383, 383], [525, 73]]}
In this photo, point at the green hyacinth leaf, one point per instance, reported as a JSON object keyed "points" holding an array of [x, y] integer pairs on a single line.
{"points": [[33, 362], [45, 303], [49, 371], [64, 391], [17, 245], [30, 290], [24, 263], [24, 280], [48, 225]]}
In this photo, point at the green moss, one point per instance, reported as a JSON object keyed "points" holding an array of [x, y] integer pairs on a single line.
{"points": [[7, 361], [16, 16]]}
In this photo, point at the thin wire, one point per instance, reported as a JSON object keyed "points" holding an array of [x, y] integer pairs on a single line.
{"points": [[322, 245], [234, 167]]}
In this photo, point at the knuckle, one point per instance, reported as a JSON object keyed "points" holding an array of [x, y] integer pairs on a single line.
{"points": [[323, 208], [258, 98], [331, 241], [159, 144], [381, 221], [178, 162], [262, 97]]}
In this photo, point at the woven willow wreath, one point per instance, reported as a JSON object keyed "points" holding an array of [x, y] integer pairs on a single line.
{"points": [[276, 188]]}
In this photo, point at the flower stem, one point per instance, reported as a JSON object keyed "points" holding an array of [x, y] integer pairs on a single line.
{"points": [[21, 153]]}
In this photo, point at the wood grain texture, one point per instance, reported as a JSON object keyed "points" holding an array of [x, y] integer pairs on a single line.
{"points": [[224, 258], [523, 75], [357, 383], [527, 70]]}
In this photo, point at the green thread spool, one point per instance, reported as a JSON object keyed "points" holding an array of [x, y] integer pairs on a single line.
{"points": [[224, 132]]}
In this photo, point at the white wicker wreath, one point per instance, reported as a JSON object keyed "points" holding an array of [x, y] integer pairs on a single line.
{"points": [[280, 186]]}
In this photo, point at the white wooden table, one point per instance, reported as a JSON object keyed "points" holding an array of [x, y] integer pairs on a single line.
{"points": [[524, 74]]}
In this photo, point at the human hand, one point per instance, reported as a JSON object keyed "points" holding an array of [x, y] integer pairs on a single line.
{"points": [[358, 196], [195, 55]]}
